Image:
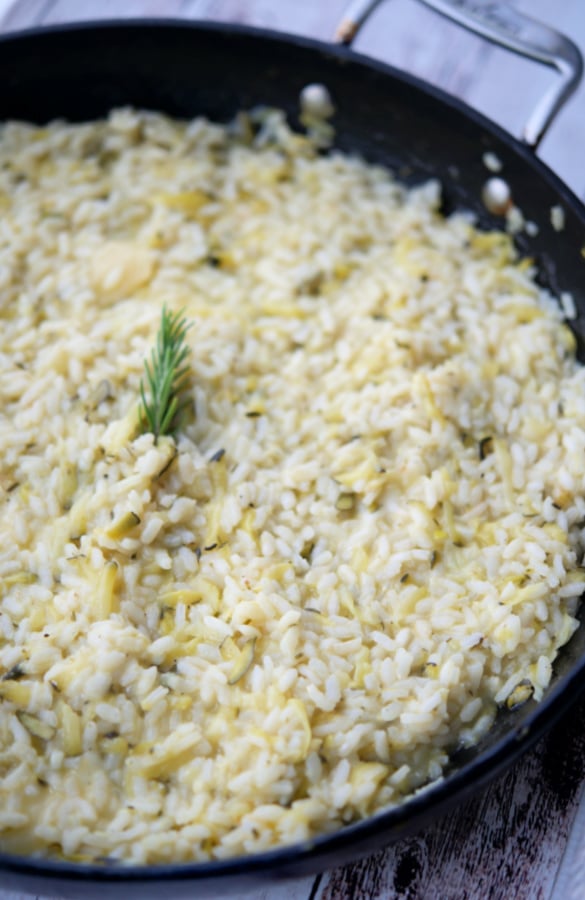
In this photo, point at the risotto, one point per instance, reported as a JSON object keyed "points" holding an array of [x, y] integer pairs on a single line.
{"points": [[363, 537]]}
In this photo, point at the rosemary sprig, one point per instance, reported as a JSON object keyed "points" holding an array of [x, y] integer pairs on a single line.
{"points": [[166, 376]]}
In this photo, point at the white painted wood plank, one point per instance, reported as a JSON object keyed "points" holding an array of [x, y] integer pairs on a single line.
{"points": [[10, 895], [5, 6], [314, 19], [570, 882]]}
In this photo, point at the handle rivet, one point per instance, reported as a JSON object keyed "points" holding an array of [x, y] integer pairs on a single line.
{"points": [[497, 196], [315, 101]]}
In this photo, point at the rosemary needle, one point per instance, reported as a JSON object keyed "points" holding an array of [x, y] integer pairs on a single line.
{"points": [[166, 376]]}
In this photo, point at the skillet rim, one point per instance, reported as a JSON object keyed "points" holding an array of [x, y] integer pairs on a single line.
{"points": [[401, 821]]}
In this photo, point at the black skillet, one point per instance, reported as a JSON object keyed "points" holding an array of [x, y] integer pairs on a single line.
{"points": [[185, 69]]}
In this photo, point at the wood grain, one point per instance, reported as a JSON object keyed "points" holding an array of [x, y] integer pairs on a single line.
{"points": [[523, 837]]}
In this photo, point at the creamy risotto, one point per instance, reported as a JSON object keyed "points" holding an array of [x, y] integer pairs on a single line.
{"points": [[363, 537]]}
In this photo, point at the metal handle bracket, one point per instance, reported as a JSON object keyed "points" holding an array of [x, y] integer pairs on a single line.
{"points": [[504, 25]]}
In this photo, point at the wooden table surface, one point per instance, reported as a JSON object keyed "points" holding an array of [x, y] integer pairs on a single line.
{"points": [[524, 836]]}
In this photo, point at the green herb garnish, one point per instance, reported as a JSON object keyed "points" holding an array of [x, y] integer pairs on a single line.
{"points": [[166, 376]]}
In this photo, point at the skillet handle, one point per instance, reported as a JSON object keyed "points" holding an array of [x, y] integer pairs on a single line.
{"points": [[500, 23]]}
